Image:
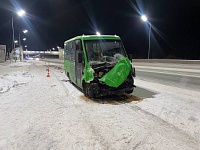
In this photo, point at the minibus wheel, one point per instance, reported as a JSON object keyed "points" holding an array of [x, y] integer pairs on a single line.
{"points": [[88, 91], [129, 92]]}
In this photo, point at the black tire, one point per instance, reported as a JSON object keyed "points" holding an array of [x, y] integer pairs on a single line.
{"points": [[129, 92], [88, 90]]}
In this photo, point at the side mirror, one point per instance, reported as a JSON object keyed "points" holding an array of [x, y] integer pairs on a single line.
{"points": [[130, 56], [80, 57]]}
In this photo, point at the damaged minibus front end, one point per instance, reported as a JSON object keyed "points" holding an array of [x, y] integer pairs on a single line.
{"points": [[107, 70]]}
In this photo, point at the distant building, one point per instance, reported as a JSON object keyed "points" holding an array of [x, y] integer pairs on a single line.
{"points": [[2, 53]]}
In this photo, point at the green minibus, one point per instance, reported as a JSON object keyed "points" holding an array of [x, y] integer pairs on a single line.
{"points": [[98, 65]]}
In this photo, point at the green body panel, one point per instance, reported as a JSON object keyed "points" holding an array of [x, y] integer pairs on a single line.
{"points": [[88, 74], [67, 65], [79, 82], [70, 69], [118, 74]]}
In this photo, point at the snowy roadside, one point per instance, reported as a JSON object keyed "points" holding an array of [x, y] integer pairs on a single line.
{"points": [[9, 79], [50, 113], [177, 106], [14, 79]]}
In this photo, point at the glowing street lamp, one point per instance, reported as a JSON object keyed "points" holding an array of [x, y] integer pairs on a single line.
{"points": [[144, 18], [59, 48], [20, 13], [98, 33], [24, 31], [15, 42]]}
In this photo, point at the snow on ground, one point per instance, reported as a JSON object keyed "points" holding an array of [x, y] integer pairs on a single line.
{"points": [[50, 113], [14, 79], [177, 106]]}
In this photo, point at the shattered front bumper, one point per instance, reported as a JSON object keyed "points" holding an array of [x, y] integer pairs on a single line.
{"points": [[101, 89]]}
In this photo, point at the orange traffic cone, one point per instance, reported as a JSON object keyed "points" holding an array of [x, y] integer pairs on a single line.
{"points": [[48, 73]]}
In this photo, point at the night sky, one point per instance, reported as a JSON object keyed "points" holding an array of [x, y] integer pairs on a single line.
{"points": [[175, 24]]}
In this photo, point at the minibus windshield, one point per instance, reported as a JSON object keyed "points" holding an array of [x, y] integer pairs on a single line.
{"points": [[101, 51]]}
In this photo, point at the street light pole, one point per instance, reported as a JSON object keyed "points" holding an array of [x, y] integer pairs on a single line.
{"points": [[13, 33], [20, 13], [144, 18], [19, 40], [149, 40]]}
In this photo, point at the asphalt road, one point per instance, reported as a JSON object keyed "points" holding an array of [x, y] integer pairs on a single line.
{"points": [[184, 76]]}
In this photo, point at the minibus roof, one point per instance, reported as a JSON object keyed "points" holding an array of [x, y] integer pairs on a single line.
{"points": [[95, 37]]}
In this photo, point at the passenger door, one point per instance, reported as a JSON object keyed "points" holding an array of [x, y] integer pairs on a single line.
{"points": [[72, 75], [78, 66]]}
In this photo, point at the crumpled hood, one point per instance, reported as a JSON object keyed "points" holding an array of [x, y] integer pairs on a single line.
{"points": [[118, 74]]}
